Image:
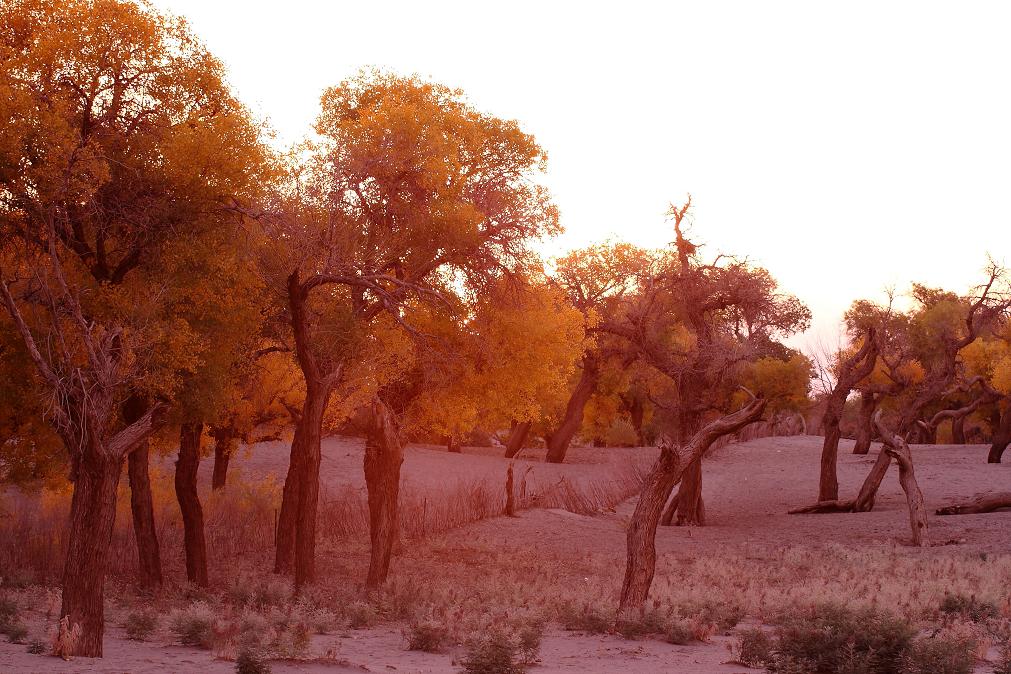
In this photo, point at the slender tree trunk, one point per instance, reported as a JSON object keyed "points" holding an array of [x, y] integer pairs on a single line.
{"points": [[307, 502], [510, 504], [1001, 437], [958, 430], [284, 536], [189, 502], [384, 454], [828, 480], [141, 505], [691, 510], [667, 519], [899, 451], [148, 551], [558, 444], [92, 517], [636, 413], [865, 423], [517, 436], [224, 446], [640, 564], [864, 501]]}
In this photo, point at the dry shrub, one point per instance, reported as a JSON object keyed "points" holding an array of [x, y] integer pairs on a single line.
{"points": [[65, 638]]}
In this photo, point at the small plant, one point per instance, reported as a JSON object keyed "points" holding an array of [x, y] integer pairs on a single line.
{"points": [[679, 632], [194, 625], [37, 647], [754, 647], [16, 632], [141, 624], [291, 641], [643, 623], [360, 614], [939, 655], [588, 618], [251, 662], [969, 607], [494, 653], [528, 640], [428, 635], [8, 612]]}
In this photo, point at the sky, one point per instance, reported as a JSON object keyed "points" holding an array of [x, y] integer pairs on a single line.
{"points": [[847, 147]]}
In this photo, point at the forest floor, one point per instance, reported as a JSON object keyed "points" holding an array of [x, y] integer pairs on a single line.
{"points": [[551, 561]]}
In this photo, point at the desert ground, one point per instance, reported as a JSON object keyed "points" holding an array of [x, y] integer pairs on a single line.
{"points": [[751, 552]]}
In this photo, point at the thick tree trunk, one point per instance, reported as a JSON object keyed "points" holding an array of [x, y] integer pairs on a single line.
{"points": [[981, 504], [558, 443], [958, 430], [187, 466], [828, 480], [636, 413], [141, 505], [384, 455], [307, 501], [517, 436], [865, 423], [1001, 437], [92, 517], [284, 536], [691, 510], [224, 446], [148, 551], [869, 489]]}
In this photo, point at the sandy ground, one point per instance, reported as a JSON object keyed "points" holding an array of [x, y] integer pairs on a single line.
{"points": [[748, 488]]}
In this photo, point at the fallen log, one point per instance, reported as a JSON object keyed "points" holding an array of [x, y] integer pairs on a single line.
{"points": [[986, 503]]}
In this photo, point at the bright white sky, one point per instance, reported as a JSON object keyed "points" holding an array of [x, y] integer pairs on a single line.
{"points": [[845, 146]]}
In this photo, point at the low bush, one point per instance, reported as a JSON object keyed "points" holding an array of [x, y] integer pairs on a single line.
{"points": [[251, 662], [939, 655], [140, 625], [194, 625], [428, 635], [969, 608], [754, 647], [495, 652]]}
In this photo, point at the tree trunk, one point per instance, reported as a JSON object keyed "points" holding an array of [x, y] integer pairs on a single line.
{"points": [[828, 480], [384, 455], [142, 508], [667, 519], [869, 490], [92, 517], [636, 413], [865, 423], [224, 446], [510, 504], [141, 505], [958, 430], [284, 536], [1001, 437], [981, 504], [452, 444], [558, 444], [307, 502], [187, 466], [517, 436], [899, 451], [691, 511]]}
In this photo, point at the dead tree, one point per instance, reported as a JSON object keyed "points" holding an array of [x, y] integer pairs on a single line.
{"points": [[981, 504], [661, 480], [850, 371], [895, 446]]}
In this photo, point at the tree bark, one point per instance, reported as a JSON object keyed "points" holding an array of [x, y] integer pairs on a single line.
{"points": [[958, 430], [307, 501], [92, 517], [224, 446], [667, 519], [865, 423], [981, 504], [187, 466], [142, 508], [284, 536], [517, 436], [384, 456], [558, 443], [828, 480], [691, 510], [452, 444], [1001, 437], [869, 489], [141, 504], [897, 448], [663, 476], [510, 504]]}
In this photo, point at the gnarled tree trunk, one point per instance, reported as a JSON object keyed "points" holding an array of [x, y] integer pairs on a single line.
{"points": [[958, 430], [865, 423], [691, 511], [517, 436], [187, 466], [224, 447], [981, 504], [558, 442], [384, 455], [1001, 437], [897, 449]]}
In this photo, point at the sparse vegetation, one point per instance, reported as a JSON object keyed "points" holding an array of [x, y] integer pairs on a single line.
{"points": [[140, 625]]}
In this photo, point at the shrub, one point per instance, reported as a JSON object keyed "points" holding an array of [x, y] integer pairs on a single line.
{"points": [[679, 632], [588, 618], [940, 655], [141, 624], [528, 640], [754, 647], [969, 607], [194, 625], [16, 632], [1003, 664], [643, 623], [8, 612], [251, 662], [494, 653], [831, 638], [361, 614], [428, 635], [37, 647], [290, 641]]}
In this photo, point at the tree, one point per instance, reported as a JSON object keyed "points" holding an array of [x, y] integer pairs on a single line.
{"points": [[410, 189], [118, 135]]}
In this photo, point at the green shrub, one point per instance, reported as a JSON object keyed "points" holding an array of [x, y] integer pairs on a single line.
{"points": [[969, 607], [141, 624], [494, 653], [754, 647], [427, 635], [834, 639], [940, 655], [251, 662]]}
